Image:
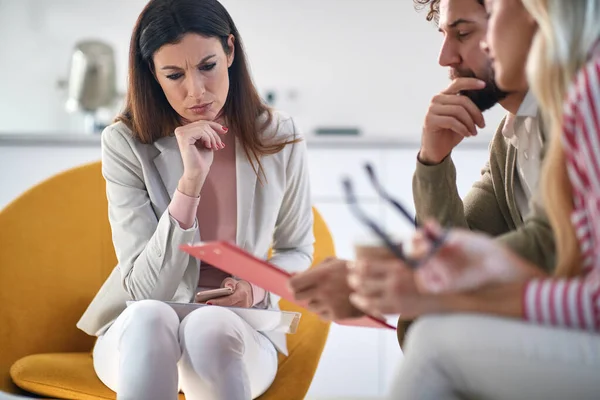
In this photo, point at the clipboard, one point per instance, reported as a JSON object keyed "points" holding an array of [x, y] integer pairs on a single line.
{"points": [[236, 261]]}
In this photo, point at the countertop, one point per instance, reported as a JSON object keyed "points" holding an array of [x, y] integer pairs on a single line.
{"points": [[351, 142]]}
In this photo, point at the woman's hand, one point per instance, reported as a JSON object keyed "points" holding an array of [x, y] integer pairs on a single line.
{"points": [[197, 141], [386, 286], [468, 261], [324, 290], [241, 296]]}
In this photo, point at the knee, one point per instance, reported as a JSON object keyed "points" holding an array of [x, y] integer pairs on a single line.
{"points": [[428, 357], [151, 317], [438, 339], [427, 337], [216, 329]]}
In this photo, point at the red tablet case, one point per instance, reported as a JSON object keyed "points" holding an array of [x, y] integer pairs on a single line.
{"points": [[232, 259]]}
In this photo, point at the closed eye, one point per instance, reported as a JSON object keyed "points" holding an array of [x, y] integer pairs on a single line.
{"points": [[207, 67], [175, 76]]}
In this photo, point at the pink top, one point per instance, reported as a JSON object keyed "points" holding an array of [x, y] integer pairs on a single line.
{"points": [[575, 303], [216, 213]]}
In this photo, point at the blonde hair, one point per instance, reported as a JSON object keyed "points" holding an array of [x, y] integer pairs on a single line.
{"points": [[567, 32]]}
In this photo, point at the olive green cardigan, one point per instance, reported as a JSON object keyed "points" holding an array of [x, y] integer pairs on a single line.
{"points": [[490, 205]]}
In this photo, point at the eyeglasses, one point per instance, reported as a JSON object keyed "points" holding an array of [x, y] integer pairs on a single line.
{"points": [[395, 248]]}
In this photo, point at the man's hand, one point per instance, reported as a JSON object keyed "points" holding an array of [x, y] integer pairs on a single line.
{"points": [[324, 290], [450, 118]]}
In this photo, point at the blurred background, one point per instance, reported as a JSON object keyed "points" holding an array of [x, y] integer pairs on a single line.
{"points": [[369, 65], [357, 75]]}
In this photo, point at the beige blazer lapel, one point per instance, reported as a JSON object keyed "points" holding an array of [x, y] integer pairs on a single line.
{"points": [[169, 163], [170, 168], [246, 186]]}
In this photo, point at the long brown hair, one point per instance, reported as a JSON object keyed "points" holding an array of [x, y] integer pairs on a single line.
{"points": [[148, 113]]}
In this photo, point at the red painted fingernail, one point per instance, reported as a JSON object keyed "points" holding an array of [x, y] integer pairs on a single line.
{"points": [[226, 129], [209, 303]]}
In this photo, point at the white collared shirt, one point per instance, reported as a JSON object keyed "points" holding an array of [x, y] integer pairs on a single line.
{"points": [[523, 132]]}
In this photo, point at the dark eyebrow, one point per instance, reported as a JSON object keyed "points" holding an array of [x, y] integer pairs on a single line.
{"points": [[457, 22], [205, 59]]}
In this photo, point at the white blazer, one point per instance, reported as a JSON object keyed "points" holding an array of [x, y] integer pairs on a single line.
{"points": [[140, 181]]}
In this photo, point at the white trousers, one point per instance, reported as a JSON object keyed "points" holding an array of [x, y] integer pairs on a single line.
{"points": [[147, 354], [481, 357]]}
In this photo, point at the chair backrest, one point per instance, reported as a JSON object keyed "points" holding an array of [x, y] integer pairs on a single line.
{"points": [[55, 252]]}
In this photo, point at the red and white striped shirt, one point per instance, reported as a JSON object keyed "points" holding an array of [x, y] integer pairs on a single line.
{"points": [[575, 303]]}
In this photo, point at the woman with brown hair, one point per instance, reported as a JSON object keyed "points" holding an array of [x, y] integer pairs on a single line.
{"points": [[196, 155]]}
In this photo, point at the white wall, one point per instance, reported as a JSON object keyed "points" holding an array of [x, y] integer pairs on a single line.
{"points": [[365, 63]]}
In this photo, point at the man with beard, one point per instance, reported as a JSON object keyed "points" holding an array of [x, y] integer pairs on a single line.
{"points": [[499, 203], [502, 202]]}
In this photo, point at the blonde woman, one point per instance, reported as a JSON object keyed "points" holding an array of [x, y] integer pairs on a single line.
{"points": [[520, 334]]}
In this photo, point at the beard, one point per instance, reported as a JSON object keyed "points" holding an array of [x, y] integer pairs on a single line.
{"points": [[485, 98]]}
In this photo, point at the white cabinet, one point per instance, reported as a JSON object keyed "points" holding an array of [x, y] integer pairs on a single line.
{"points": [[356, 362], [22, 167], [397, 179], [390, 357], [328, 167], [350, 364], [360, 362], [344, 227]]}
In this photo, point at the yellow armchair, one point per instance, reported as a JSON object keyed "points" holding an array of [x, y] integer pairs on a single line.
{"points": [[56, 251]]}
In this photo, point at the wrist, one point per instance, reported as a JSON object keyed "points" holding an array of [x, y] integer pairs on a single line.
{"points": [[519, 269], [191, 185], [426, 158], [444, 304], [505, 300]]}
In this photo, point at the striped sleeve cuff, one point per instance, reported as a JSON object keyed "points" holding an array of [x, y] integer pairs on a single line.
{"points": [[184, 208], [559, 302]]}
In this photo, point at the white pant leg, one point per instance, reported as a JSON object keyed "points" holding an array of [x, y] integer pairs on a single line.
{"points": [[483, 357], [223, 357], [137, 357], [218, 355]]}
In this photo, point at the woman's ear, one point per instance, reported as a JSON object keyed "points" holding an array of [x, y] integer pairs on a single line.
{"points": [[152, 70], [231, 54]]}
